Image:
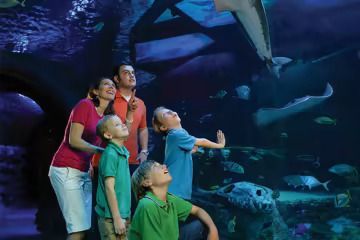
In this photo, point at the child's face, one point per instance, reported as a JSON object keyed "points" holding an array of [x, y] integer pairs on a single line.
{"points": [[159, 175], [116, 129], [168, 119]]}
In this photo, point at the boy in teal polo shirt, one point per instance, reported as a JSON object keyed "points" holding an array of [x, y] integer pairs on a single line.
{"points": [[113, 197], [158, 212]]}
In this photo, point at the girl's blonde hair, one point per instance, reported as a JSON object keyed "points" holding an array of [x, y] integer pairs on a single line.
{"points": [[139, 176]]}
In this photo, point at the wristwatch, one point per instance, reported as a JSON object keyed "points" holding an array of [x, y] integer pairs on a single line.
{"points": [[145, 151]]}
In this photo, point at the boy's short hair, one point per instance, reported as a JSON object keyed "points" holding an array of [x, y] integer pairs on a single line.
{"points": [[138, 177], [156, 122], [101, 126]]}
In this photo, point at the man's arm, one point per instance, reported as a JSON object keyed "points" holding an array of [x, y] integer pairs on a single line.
{"points": [[143, 139], [119, 226], [206, 219]]}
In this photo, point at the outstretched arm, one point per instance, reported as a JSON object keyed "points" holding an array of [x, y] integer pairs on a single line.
{"points": [[206, 219], [203, 142]]}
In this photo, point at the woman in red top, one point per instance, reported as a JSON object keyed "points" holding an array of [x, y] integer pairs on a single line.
{"points": [[69, 171]]}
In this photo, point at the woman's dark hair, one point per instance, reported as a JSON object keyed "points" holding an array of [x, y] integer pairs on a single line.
{"points": [[95, 85]]}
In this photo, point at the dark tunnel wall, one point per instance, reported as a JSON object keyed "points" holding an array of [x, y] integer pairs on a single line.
{"points": [[37, 133]]}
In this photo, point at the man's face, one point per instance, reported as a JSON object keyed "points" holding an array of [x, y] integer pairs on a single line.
{"points": [[126, 77]]}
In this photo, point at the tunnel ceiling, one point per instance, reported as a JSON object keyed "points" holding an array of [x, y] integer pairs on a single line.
{"points": [[59, 30]]}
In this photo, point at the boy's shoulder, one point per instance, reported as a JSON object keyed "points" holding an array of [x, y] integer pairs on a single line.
{"points": [[112, 149], [109, 150], [176, 132], [147, 204]]}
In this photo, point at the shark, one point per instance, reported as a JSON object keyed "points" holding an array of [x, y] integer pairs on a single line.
{"points": [[251, 15]]}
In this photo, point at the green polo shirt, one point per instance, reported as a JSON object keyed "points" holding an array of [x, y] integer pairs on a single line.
{"points": [[114, 163], [158, 220]]}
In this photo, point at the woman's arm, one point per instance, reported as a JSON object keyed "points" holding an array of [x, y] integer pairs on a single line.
{"points": [[206, 219], [76, 141]]}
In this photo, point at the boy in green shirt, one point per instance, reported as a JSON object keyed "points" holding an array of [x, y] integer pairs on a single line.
{"points": [[113, 197], [158, 212]]}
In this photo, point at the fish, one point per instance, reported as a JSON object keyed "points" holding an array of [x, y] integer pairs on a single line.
{"points": [[342, 200], [219, 95], [347, 171], [339, 224], [231, 225], [306, 157], [233, 167], [242, 149], [200, 151], [344, 170], [243, 92], [284, 135], [255, 157], [211, 153], [250, 14], [206, 118], [98, 27], [11, 3], [301, 229], [309, 181], [225, 153], [315, 161], [325, 120], [227, 180], [214, 187]]}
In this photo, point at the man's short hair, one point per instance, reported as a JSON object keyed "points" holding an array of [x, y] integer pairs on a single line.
{"points": [[116, 68]]}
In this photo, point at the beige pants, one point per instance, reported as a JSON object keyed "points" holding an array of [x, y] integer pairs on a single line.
{"points": [[107, 231]]}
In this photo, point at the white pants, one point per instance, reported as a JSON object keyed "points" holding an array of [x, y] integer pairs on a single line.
{"points": [[73, 191]]}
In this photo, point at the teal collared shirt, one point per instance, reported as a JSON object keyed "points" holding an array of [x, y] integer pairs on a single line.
{"points": [[156, 219], [114, 163]]}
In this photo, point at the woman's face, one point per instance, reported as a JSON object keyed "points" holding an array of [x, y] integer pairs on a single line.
{"points": [[106, 90]]}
